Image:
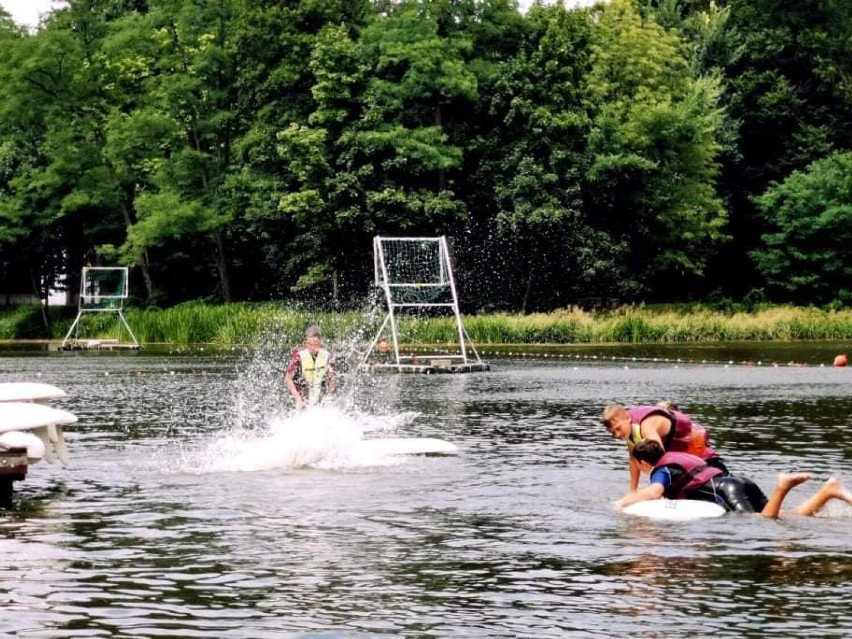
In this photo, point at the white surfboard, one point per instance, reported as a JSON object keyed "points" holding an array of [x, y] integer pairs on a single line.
{"points": [[25, 416], [407, 446], [43, 421], [29, 392], [36, 448], [675, 509]]}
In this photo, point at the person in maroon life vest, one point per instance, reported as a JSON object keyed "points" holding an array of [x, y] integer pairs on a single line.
{"points": [[672, 429], [684, 476]]}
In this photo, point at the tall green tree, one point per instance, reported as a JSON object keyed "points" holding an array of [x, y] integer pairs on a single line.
{"points": [[73, 93], [787, 70], [54, 103], [284, 89], [531, 162], [417, 72], [374, 154], [807, 257], [192, 85], [654, 147], [30, 255]]}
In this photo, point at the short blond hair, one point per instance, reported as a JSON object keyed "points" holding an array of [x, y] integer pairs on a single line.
{"points": [[612, 410]]}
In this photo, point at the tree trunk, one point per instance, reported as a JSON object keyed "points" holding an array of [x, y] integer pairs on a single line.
{"points": [[442, 175], [222, 265], [42, 298], [143, 259], [527, 289]]}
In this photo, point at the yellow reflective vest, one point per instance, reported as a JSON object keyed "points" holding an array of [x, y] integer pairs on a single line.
{"points": [[634, 437], [314, 371]]}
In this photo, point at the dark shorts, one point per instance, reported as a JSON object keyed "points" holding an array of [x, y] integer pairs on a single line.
{"points": [[737, 494]]}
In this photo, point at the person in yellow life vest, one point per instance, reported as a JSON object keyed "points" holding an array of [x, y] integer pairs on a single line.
{"points": [[310, 374]]}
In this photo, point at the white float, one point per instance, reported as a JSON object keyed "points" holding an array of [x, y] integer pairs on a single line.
{"points": [[406, 446], [19, 419], [29, 392], [675, 509], [23, 439]]}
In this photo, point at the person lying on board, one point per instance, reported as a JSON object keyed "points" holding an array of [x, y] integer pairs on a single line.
{"points": [[684, 476], [673, 430]]}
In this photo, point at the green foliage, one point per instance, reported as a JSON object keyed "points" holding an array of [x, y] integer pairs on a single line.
{"points": [[244, 324], [242, 150], [655, 142], [777, 58], [26, 322], [808, 256]]}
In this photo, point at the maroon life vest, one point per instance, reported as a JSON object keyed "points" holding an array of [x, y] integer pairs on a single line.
{"points": [[694, 473], [680, 431], [679, 437]]}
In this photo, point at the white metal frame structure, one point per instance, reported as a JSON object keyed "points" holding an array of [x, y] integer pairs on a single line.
{"points": [[433, 287], [93, 299]]}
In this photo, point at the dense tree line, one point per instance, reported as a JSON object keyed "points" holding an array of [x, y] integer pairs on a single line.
{"points": [[250, 149]]}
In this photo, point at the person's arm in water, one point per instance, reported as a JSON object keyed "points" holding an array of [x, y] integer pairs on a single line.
{"points": [[651, 491], [635, 472], [660, 479]]}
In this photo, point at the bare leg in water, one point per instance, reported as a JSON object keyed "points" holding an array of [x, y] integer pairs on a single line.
{"points": [[831, 489], [786, 483]]}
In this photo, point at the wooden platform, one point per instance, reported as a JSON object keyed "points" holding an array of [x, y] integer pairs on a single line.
{"points": [[426, 366], [13, 462], [13, 467], [98, 345]]}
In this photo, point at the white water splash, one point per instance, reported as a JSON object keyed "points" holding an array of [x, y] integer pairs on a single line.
{"points": [[257, 434], [322, 437]]}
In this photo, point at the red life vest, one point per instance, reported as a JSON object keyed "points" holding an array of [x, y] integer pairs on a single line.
{"points": [[694, 473], [683, 435]]}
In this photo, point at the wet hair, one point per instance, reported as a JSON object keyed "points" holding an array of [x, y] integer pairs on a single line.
{"points": [[612, 410], [313, 331], [668, 406], [649, 451]]}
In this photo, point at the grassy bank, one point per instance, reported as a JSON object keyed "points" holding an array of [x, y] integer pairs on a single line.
{"points": [[244, 324]]}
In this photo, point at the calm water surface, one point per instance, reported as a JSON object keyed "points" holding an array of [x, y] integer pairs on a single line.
{"points": [[182, 514]]}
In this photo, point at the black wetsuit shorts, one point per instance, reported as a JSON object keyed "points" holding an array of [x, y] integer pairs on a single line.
{"points": [[736, 494]]}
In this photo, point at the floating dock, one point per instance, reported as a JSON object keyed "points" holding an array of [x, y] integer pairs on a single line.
{"points": [[97, 345], [426, 366]]}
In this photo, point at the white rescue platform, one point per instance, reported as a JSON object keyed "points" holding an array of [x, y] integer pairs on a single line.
{"points": [[675, 509], [29, 392], [407, 446], [27, 423], [30, 431]]}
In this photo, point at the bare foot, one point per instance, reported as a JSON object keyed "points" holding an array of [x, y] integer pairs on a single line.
{"points": [[788, 480], [838, 490]]}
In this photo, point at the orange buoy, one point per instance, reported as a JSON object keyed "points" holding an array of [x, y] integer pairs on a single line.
{"points": [[841, 360]]}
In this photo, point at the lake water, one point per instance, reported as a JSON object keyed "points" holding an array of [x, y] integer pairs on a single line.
{"points": [[182, 514]]}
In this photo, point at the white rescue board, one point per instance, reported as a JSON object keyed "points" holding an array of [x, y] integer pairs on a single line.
{"points": [[43, 421], [26, 416], [407, 446], [675, 509], [36, 448], [29, 392]]}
